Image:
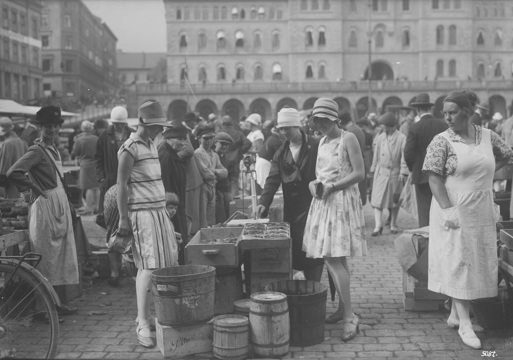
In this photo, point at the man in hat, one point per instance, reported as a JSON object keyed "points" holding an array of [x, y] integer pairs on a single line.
{"points": [[211, 170], [142, 209], [191, 122], [31, 132], [293, 167], [11, 149], [174, 176], [419, 136], [222, 142], [212, 118]]}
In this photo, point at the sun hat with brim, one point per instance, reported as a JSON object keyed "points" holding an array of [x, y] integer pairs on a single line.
{"points": [[150, 113], [422, 100], [119, 115], [254, 119], [49, 115], [223, 137], [288, 117], [325, 108], [388, 119], [205, 130], [6, 123]]}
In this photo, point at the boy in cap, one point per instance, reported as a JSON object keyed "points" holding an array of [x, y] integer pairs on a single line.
{"points": [[142, 209], [211, 170], [223, 141]]}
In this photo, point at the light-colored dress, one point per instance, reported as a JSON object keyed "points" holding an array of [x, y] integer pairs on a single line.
{"points": [[335, 225], [387, 164], [463, 262]]}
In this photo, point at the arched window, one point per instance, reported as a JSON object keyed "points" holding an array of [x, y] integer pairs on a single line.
{"points": [[322, 71], [452, 68], [315, 4], [259, 73], [452, 35], [239, 73], [239, 39], [178, 14], [326, 5], [353, 40], [205, 13], [261, 12], [439, 35], [277, 72], [202, 74], [322, 36], [498, 37], [440, 68], [406, 38], [257, 42], [235, 13], [304, 4], [276, 40], [279, 14], [480, 71], [380, 39], [309, 37], [221, 73], [183, 41], [216, 13], [480, 39], [224, 12], [221, 40], [242, 14], [202, 41], [497, 72], [309, 72]]}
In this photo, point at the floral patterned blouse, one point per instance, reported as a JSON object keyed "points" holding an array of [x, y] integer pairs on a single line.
{"points": [[441, 158]]}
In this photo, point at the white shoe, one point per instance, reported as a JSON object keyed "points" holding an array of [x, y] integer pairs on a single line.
{"points": [[469, 338], [454, 324]]}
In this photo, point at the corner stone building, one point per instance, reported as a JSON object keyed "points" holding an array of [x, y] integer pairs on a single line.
{"points": [[239, 57]]}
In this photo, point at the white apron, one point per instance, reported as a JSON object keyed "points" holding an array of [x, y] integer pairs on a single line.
{"points": [[463, 262]]}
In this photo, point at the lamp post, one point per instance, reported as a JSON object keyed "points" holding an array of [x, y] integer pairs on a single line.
{"points": [[369, 71]]}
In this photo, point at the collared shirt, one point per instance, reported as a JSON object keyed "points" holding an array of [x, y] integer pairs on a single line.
{"points": [[145, 187], [209, 165]]}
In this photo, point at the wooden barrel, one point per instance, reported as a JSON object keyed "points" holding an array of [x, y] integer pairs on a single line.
{"points": [[241, 307], [307, 309], [184, 294], [269, 324], [231, 337]]}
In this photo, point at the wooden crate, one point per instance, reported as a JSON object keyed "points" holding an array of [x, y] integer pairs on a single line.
{"points": [[411, 304], [177, 342], [258, 281], [12, 238], [270, 260], [213, 254], [100, 261], [506, 236], [506, 254], [417, 297]]}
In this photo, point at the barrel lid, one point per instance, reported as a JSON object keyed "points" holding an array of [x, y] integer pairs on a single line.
{"points": [[242, 305], [268, 296], [230, 320]]}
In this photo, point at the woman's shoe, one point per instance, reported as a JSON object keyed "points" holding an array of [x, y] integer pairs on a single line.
{"points": [[152, 323], [394, 230], [350, 328], [145, 341], [469, 338], [455, 324], [334, 318], [377, 231]]}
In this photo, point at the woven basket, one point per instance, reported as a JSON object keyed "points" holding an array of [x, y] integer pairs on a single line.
{"points": [[496, 312]]}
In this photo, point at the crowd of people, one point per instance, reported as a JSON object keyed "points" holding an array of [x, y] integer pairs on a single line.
{"points": [[162, 182]]}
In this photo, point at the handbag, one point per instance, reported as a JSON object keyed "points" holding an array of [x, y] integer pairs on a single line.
{"points": [[74, 216], [120, 244]]}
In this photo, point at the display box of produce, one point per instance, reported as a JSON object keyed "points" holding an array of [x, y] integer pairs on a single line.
{"points": [[214, 247], [261, 235]]}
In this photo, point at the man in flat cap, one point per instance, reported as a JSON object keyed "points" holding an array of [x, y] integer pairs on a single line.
{"points": [[11, 149], [222, 142], [419, 136]]}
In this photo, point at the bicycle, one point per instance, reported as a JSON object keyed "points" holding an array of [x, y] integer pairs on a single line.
{"points": [[29, 325]]}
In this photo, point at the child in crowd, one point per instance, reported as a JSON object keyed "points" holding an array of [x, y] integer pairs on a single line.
{"points": [[172, 202]]}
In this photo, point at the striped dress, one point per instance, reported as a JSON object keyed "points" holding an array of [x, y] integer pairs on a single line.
{"points": [[155, 244]]}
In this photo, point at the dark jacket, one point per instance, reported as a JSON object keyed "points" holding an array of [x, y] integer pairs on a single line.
{"points": [[419, 137], [293, 177], [29, 135]]}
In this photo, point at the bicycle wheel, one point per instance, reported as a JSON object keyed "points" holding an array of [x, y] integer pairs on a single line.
{"points": [[29, 326]]}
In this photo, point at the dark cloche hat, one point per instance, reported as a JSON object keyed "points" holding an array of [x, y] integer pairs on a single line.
{"points": [[49, 115], [422, 100]]}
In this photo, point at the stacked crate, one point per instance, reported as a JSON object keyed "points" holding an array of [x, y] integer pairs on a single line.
{"points": [[417, 297], [506, 249]]}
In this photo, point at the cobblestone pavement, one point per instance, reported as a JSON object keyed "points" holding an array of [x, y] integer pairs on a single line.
{"points": [[104, 327]]}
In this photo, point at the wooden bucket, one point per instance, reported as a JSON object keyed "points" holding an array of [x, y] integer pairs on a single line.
{"points": [[241, 307], [184, 294], [231, 337], [269, 324], [307, 309]]}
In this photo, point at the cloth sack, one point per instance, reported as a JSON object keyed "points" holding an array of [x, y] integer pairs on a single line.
{"points": [[408, 198], [120, 244]]}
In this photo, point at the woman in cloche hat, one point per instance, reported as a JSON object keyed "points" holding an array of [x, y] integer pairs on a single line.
{"points": [[51, 223]]}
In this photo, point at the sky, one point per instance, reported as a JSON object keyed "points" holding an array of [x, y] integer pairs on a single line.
{"points": [[139, 25]]}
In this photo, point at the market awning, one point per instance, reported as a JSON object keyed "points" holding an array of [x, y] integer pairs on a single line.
{"points": [[32, 110], [11, 107]]}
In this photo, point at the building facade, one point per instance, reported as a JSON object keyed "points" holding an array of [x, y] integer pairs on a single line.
{"points": [[20, 50], [239, 57], [79, 53]]}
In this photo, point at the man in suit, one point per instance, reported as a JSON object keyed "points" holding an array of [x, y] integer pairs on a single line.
{"points": [[420, 135]]}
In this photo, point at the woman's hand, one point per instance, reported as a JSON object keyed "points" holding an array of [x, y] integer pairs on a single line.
{"points": [[328, 189], [450, 218], [311, 187], [37, 191], [124, 227]]}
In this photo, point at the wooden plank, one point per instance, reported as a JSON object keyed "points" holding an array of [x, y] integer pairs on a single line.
{"points": [[508, 269], [506, 236], [270, 260]]}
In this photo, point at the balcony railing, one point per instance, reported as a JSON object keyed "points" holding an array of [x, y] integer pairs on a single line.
{"points": [[331, 87]]}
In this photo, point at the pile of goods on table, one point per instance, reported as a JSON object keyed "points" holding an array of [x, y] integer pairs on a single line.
{"points": [[14, 214]]}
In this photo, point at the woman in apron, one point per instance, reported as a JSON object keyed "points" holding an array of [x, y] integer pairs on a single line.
{"points": [[50, 222], [462, 249]]}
